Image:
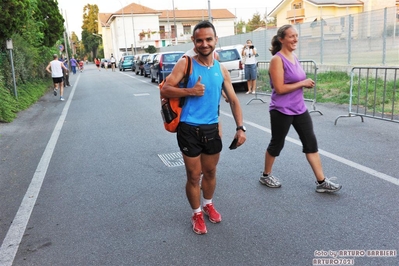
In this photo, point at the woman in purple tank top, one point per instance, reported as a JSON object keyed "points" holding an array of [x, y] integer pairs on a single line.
{"points": [[287, 107]]}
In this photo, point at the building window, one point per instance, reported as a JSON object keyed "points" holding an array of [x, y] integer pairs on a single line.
{"points": [[173, 35], [162, 32], [187, 29], [297, 5]]}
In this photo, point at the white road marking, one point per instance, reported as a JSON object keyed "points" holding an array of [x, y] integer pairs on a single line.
{"points": [[337, 158], [141, 80], [11, 242]]}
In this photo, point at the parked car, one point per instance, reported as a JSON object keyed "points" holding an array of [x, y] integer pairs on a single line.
{"points": [[147, 65], [163, 65], [104, 62], [126, 62], [230, 57], [139, 64], [133, 68]]}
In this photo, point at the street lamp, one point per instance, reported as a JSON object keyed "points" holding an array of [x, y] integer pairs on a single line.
{"points": [[134, 35], [124, 29]]}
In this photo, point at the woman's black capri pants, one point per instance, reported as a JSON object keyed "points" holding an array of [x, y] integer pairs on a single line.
{"points": [[280, 125]]}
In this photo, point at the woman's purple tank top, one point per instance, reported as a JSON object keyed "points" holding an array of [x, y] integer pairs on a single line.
{"points": [[290, 103]]}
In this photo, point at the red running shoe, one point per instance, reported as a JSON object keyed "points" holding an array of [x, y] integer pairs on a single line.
{"points": [[213, 214], [198, 222]]}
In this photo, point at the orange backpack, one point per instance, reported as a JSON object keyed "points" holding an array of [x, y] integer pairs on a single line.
{"points": [[172, 107]]}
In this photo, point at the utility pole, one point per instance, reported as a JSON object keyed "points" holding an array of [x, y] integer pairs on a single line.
{"points": [[210, 12], [66, 39], [124, 29], [174, 20], [134, 36]]}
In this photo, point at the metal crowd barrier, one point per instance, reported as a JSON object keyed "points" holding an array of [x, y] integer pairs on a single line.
{"points": [[263, 87], [373, 93]]}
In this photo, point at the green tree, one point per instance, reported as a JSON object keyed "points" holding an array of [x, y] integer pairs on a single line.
{"points": [[90, 43], [52, 21], [14, 14], [90, 18], [272, 21], [255, 22], [32, 31], [77, 49], [239, 26], [150, 49], [90, 27]]}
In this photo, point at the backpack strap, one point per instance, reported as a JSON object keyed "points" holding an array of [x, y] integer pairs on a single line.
{"points": [[187, 72]]}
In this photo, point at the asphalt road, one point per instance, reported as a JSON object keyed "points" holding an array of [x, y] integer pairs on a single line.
{"points": [[82, 183]]}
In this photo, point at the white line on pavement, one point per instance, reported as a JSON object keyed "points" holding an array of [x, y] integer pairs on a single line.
{"points": [[15, 233], [141, 80], [337, 158], [11, 242]]}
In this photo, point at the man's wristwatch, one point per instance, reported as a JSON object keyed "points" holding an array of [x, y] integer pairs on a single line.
{"points": [[243, 128]]}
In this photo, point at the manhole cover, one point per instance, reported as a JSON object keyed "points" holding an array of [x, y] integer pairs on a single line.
{"points": [[172, 159]]}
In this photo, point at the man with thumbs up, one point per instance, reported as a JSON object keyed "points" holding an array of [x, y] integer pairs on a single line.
{"points": [[198, 132]]}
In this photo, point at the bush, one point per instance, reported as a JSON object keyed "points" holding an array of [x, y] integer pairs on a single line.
{"points": [[8, 106], [31, 78]]}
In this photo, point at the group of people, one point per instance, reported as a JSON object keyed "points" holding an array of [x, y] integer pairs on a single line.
{"points": [[198, 135], [76, 64], [112, 63]]}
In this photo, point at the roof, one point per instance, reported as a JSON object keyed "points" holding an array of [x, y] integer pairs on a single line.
{"points": [[193, 14], [103, 17], [133, 8], [136, 9], [197, 14]]}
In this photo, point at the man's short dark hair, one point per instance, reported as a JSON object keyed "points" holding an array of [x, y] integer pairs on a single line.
{"points": [[204, 24]]}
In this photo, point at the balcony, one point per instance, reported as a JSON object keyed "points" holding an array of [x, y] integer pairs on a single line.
{"points": [[294, 13]]}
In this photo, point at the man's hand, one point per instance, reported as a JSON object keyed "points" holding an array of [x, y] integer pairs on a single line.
{"points": [[241, 137], [198, 89]]}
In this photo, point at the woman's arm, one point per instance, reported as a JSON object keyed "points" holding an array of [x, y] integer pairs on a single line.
{"points": [[276, 71]]}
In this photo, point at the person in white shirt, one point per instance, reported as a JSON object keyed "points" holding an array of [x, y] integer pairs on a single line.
{"points": [[249, 52], [55, 68], [113, 62]]}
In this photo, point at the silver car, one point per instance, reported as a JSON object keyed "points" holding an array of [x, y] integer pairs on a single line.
{"points": [[230, 57]]}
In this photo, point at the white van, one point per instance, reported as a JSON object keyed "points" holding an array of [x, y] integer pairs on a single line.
{"points": [[230, 57]]}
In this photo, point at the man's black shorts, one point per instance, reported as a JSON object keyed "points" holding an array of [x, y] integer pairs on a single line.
{"points": [[194, 140], [58, 80]]}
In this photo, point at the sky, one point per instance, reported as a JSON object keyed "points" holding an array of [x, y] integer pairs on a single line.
{"points": [[242, 9]]}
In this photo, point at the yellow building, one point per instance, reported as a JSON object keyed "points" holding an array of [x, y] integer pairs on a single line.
{"points": [[301, 11]]}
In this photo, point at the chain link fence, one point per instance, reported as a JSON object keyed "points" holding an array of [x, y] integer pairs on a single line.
{"points": [[368, 38]]}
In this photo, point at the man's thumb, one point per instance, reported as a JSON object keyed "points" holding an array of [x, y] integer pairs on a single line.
{"points": [[199, 79]]}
